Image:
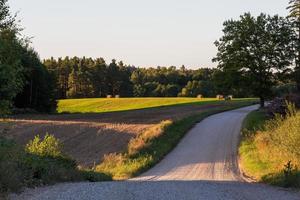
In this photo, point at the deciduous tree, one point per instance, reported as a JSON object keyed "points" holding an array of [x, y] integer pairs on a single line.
{"points": [[255, 48]]}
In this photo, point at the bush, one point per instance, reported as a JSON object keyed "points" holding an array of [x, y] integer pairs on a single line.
{"points": [[41, 162], [49, 146]]}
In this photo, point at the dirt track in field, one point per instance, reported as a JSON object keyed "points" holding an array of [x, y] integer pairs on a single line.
{"points": [[88, 137]]}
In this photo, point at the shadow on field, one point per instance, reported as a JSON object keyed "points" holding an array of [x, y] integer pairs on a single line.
{"points": [[140, 116]]}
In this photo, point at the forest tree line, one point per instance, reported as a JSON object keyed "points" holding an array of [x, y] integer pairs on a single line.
{"points": [[87, 77]]}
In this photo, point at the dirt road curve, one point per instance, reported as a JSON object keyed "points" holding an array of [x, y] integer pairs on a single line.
{"points": [[202, 167], [208, 152]]}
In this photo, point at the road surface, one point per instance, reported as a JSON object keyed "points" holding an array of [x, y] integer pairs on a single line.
{"points": [[208, 152], [203, 166]]}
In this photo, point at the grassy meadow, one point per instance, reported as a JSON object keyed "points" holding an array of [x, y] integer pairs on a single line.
{"points": [[102, 105]]}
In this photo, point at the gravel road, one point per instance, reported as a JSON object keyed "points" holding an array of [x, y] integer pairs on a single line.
{"points": [[208, 152], [203, 166]]}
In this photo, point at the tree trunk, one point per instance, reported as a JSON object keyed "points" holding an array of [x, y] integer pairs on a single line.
{"points": [[262, 102]]}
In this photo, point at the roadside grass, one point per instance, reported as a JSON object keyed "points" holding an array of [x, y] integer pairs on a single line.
{"points": [[41, 162], [250, 162], [150, 147], [102, 105], [270, 148]]}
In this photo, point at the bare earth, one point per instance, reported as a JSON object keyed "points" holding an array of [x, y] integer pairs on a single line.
{"points": [[203, 166], [88, 137]]}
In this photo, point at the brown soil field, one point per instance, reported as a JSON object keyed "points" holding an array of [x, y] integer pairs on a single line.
{"points": [[88, 137]]}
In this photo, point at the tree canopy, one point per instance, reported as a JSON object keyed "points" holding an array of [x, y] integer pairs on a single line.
{"points": [[294, 8], [25, 82], [87, 77], [252, 49]]}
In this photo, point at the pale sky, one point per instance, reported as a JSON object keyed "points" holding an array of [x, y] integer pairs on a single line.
{"points": [[139, 32]]}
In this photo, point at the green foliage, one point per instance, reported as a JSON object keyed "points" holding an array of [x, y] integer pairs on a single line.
{"points": [[10, 59], [25, 82], [253, 47], [49, 146], [195, 88], [87, 77], [38, 92], [294, 9], [255, 121], [41, 163]]}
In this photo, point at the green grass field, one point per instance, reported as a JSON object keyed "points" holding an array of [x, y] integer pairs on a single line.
{"points": [[101, 105]]}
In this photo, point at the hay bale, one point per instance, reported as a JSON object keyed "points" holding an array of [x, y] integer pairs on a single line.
{"points": [[220, 97], [199, 96], [117, 96], [229, 98], [109, 96]]}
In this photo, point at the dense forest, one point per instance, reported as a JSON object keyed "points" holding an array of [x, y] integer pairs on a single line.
{"points": [[87, 77]]}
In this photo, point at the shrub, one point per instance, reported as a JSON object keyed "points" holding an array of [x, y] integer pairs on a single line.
{"points": [[49, 146], [41, 162]]}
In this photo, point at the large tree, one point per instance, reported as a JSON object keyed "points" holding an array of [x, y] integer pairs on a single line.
{"points": [[294, 8], [255, 48], [24, 80]]}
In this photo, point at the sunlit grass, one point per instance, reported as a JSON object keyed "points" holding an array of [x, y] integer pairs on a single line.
{"points": [[268, 145], [101, 105]]}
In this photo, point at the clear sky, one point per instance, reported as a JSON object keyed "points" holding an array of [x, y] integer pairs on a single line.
{"points": [[138, 32]]}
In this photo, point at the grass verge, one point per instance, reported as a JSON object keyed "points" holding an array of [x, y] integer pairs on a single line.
{"points": [[270, 148], [149, 148]]}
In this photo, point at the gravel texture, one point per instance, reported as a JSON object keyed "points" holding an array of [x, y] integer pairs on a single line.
{"points": [[203, 166], [165, 190]]}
